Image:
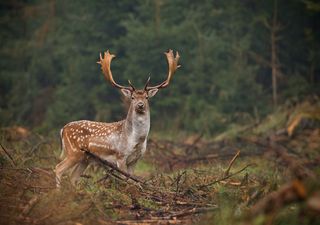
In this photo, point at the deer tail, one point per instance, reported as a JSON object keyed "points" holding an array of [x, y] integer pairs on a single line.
{"points": [[61, 144]]}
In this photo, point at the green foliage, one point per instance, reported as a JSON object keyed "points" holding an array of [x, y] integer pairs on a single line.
{"points": [[298, 87], [49, 76]]}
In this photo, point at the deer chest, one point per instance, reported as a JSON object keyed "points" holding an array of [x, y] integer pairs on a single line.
{"points": [[136, 153]]}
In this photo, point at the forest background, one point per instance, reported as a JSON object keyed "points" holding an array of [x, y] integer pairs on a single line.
{"points": [[240, 60]]}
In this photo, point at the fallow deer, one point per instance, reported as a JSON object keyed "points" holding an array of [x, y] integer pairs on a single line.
{"points": [[122, 142]]}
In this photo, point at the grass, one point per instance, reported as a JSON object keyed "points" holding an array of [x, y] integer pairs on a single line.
{"points": [[110, 200], [144, 168]]}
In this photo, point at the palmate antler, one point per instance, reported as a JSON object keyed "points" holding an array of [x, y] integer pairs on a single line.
{"points": [[173, 66], [105, 63]]}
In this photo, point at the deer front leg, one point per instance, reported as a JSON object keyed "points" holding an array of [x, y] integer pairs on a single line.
{"points": [[77, 171], [131, 169], [122, 165]]}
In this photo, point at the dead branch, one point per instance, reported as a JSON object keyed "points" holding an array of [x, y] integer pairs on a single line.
{"points": [[33, 201], [7, 153], [226, 177], [226, 173], [194, 211], [109, 165]]}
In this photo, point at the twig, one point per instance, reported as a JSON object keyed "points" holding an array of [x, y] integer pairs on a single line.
{"points": [[104, 177], [226, 177], [226, 173], [7, 153], [29, 206]]}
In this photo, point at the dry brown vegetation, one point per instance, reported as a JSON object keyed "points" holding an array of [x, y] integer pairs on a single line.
{"points": [[264, 175]]}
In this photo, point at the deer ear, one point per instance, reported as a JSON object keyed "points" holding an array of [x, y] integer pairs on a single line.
{"points": [[152, 92], [127, 93]]}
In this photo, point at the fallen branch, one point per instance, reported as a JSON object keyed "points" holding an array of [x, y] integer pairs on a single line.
{"points": [[33, 201], [193, 211], [108, 165], [7, 153]]}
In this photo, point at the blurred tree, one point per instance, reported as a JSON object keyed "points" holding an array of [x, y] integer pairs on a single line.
{"points": [[49, 75], [217, 69]]}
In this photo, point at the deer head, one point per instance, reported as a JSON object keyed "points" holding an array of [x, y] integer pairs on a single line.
{"points": [[139, 98]]}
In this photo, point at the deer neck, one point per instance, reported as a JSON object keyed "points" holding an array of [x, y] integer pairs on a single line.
{"points": [[137, 125]]}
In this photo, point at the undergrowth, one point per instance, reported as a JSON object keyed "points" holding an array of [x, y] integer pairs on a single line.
{"points": [[176, 181]]}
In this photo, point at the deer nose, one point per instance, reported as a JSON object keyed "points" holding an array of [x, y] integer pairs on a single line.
{"points": [[140, 105]]}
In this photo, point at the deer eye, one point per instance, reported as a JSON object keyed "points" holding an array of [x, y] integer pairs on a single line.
{"points": [[132, 97], [147, 97]]}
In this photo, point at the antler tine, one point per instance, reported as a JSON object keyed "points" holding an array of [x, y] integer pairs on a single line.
{"points": [[173, 66], [105, 63], [131, 85], [147, 83]]}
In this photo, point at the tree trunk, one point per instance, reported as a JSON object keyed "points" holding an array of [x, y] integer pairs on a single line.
{"points": [[274, 65], [274, 70], [157, 16]]}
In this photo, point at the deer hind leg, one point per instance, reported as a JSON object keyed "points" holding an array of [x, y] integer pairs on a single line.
{"points": [[64, 166], [74, 156], [77, 171]]}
